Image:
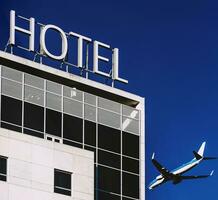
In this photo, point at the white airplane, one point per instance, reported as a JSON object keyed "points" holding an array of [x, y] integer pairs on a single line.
{"points": [[176, 175]]}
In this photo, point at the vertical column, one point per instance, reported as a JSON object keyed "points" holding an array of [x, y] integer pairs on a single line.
{"points": [[96, 172], [62, 113], [121, 150], [23, 101], [0, 94], [44, 108], [141, 108], [83, 118]]}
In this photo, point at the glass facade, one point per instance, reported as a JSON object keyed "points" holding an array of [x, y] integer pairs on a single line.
{"points": [[42, 108]]}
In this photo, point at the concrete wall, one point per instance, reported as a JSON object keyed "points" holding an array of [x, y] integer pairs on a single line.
{"points": [[31, 164]]}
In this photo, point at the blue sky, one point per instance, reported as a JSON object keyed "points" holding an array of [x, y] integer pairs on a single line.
{"points": [[169, 54]]}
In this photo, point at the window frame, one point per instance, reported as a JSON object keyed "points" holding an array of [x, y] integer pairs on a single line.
{"points": [[63, 188], [6, 172]]}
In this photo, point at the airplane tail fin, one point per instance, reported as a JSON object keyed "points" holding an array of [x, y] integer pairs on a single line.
{"points": [[200, 154], [201, 150]]}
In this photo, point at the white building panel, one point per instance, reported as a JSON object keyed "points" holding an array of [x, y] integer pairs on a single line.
{"points": [[30, 168]]}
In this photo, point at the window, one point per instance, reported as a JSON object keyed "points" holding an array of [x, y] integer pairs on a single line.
{"points": [[125, 198], [130, 185], [53, 122], [130, 145], [11, 112], [74, 144], [109, 180], [34, 81], [3, 168], [109, 118], [33, 133], [12, 74], [73, 128], [130, 165], [34, 117], [34, 95], [62, 182], [33, 120], [109, 138], [73, 107], [53, 101], [53, 139], [107, 196], [90, 133], [109, 159], [11, 88], [90, 112]]}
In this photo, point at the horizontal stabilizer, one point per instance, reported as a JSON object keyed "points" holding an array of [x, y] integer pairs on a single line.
{"points": [[210, 158]]}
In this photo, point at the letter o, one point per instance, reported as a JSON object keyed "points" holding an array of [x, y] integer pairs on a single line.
{"points": [[64, 42]]}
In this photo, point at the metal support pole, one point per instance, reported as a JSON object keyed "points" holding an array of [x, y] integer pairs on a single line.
{"points": [[87, 60], [6, 46]]}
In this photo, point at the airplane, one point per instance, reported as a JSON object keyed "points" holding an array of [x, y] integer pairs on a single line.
{"points": [[176, 175]]}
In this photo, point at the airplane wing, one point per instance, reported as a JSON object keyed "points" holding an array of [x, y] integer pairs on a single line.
{"points": [[160, 168], [196, 177]]}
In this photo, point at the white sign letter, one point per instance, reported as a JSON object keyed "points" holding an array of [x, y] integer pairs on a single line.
{"points": [[97, 57], [80, 47], [30, 32], [116, 66], [64, 42]]}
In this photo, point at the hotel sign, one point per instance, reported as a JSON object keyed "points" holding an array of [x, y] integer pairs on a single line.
{"points": [[81, 42]]}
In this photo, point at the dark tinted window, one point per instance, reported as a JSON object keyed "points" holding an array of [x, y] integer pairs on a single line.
{"points": [[110, 159], [131, 145], [34, 117], [130, 165], [53, 122], [57, 140], [90, 133], [49, 138], [11, 127], [107, 196], [62, 182], [3, 168], [109, 138], [74, 144], [125, 198], [11, 110], [108, 179], [73, 128], [33, 133], [130, 185]]}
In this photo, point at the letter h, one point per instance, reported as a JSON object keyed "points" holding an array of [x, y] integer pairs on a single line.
{"points": [[30, 32]]}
